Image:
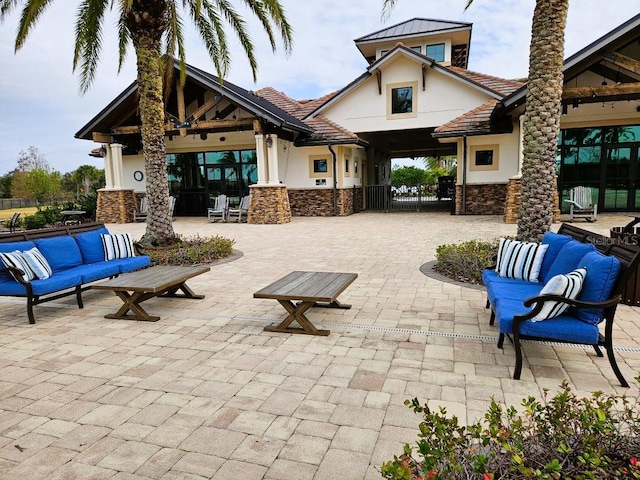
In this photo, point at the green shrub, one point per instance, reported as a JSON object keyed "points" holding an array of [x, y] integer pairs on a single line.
{"points": [[465, 261], [51, 213], [194, 250], [561, 438], [37, 220]]}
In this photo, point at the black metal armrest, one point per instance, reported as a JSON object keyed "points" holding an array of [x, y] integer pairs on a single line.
{"points": [[16, 273], [539, 300]]}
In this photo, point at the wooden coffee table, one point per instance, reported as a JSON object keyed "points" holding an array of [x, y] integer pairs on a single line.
{"points": [[311, 289], [160, 281]]}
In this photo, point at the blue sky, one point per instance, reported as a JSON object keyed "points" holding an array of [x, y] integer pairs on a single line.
{"points": [[40, 103]]}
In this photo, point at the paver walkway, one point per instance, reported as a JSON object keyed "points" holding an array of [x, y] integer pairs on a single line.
{"points": [[206, 393]]}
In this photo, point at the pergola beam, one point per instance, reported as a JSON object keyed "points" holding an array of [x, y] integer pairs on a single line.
{"points": [[622, 61], [218, 125], [602, 93]]}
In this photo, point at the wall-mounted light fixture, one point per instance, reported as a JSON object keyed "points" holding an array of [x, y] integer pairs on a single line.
{"points": [[576, 102], [269, 141]]}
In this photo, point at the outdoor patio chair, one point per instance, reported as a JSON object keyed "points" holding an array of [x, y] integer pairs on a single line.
{"points": [[240, 213], [12, 223], [581, 204], [172, 206], [140, 215], [220, 209]]}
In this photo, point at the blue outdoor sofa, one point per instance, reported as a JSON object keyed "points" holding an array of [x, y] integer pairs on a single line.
{"points": [[76, 257], [590, 316]]}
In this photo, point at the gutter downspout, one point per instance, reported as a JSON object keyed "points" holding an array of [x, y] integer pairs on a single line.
{"points": [[335, 181], [463, 208]]}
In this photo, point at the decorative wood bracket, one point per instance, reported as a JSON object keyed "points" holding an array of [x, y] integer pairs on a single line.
{"points": [[379, 77], [424, 77]]}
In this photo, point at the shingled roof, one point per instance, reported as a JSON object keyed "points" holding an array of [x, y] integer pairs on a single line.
{"points": [[499, 85], [474, 122], [324, 130]]}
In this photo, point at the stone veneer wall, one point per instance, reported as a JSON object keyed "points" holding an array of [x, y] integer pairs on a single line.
{"points": [[115, 206], [269, 204], [319, 202], [512, 205], [482, 199]]}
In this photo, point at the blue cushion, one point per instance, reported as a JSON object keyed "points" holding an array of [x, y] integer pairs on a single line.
{"points": [[56, 282], [97, 271], [568, 258], [555, 242], [563, 328], [62, 253], [602, 275], [132, 263], [90, 245], [9, 286], [500, 287]]}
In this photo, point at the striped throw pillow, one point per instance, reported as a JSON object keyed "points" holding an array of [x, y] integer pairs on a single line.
{"points": [[119, 245], [37, 263], [520, 260], [568, 285], [16, 260]]}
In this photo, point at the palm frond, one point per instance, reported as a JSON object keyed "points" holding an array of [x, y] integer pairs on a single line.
{"points": [[469, 2], [213, 35], [259, 10], [278, 16], [30, 15], [123, 41], [174, 39], [6, 7], [239, 27], [88, 39], [387, 6]]}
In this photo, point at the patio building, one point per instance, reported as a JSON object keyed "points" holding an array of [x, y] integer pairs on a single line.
{"points": [[416, 98]]}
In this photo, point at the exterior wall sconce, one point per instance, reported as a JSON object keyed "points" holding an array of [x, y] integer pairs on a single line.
{"points": [[269, 141], [576, 102]]}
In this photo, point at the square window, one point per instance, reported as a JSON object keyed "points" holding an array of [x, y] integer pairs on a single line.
{"points": [[402, 100], [436, 51], [320, 166], [417, 49], [484, 158]]}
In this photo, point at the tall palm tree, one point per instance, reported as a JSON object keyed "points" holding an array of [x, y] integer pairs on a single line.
{"points": [[541, 124], [155, 28]]}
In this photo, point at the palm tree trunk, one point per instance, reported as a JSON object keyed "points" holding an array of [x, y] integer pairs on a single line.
{"points": [[541, 124]]}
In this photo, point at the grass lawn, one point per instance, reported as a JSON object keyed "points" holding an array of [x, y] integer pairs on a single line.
{"points": [[7, 214]]}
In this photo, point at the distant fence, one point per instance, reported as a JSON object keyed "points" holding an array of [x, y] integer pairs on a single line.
{"points": [[9, 203]]}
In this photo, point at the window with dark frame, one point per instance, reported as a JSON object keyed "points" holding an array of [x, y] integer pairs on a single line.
{"points": [[346, 165], [355, 167], [320, 166], [402, 100], [436, 51], [417, 49], [484, 158]]}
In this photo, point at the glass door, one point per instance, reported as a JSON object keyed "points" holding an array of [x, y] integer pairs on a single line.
{"points": [[223, 179], [621, 178]]}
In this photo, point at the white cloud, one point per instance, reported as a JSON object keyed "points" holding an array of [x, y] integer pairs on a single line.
{"points": [[40, 103]]}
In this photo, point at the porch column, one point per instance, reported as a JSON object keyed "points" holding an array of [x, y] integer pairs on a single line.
{"points": [[261, 159], [272, 156], [116, 158], [108, 167]]}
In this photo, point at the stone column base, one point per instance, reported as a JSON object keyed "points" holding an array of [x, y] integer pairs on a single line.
{"points": [[512, 205], [115, 206], [269, 204]]}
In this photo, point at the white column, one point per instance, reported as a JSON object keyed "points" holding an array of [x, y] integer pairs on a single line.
{"points": [[272, 156], [116, 159], [260, 159], [108, 167]]}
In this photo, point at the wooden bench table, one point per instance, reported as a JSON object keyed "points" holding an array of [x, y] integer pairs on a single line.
{"points": [[160, 281], [310, 289]]}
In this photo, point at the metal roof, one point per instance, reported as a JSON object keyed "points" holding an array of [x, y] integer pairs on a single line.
{"points": [[414, 27]]}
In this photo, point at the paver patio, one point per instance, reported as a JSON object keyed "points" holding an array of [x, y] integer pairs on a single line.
{"points": [[206, 393]]}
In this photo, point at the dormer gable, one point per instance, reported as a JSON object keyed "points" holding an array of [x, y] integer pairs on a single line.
{"points": [[446, 42]]}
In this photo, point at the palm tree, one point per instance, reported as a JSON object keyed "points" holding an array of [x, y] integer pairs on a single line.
{"points": [[541, 124], [155, 28]]}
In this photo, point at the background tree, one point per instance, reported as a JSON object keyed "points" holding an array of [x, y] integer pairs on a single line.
{"points": [[5, 185], [408, 176], [155, 28], [87, 178], [541, 123], [34, 178]]}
